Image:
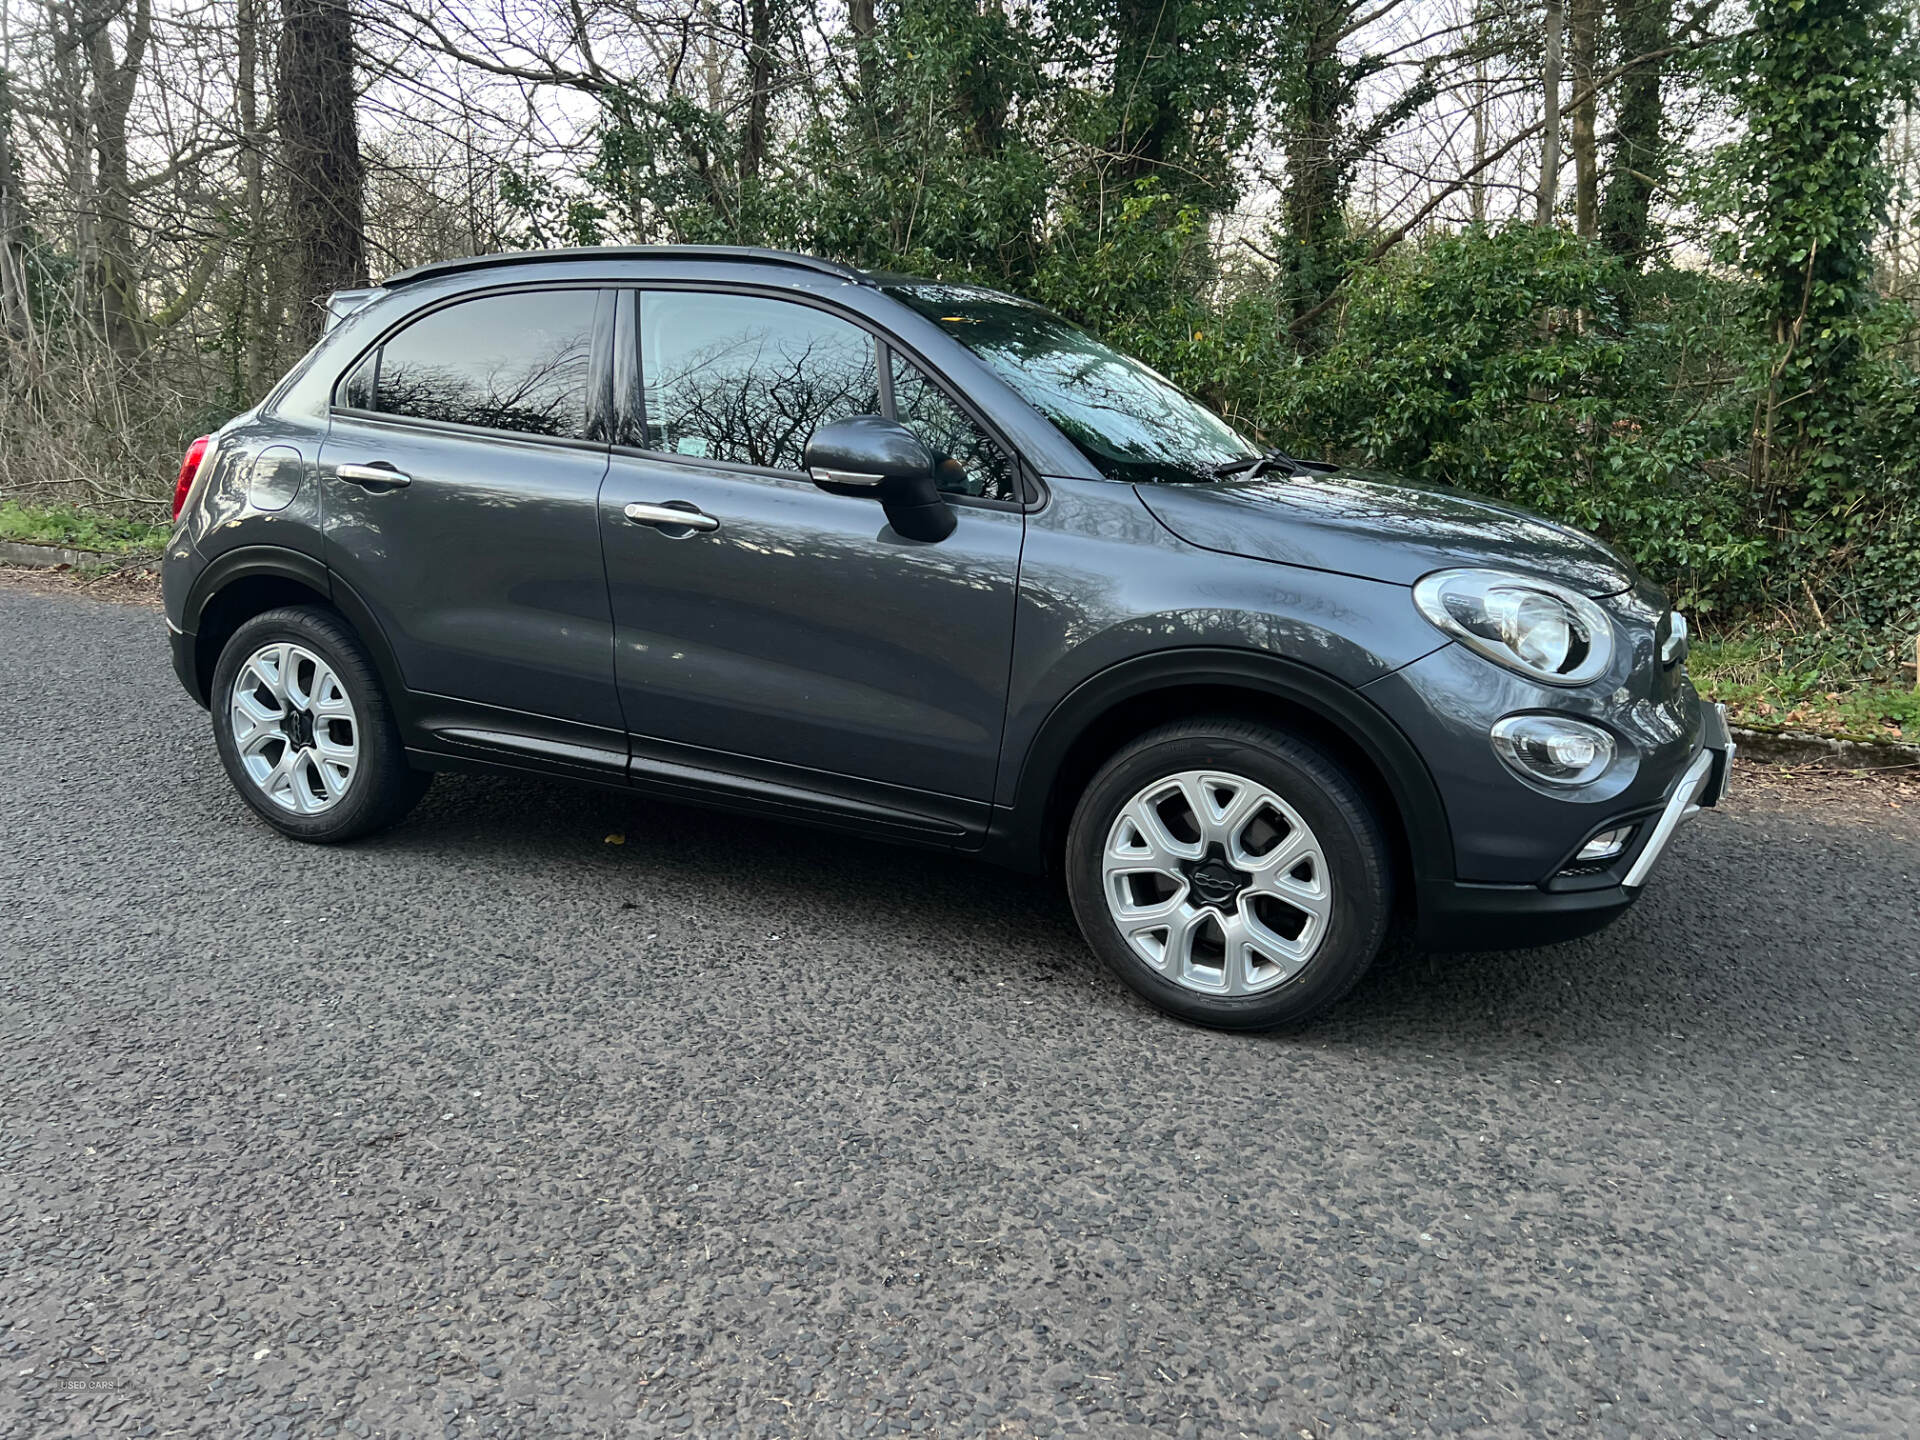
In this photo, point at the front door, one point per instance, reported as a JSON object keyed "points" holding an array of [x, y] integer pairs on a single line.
{"points": [[784, 633], [481, 557]]}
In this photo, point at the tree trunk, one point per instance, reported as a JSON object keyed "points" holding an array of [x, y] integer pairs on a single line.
{"points": [[1145, 59], [1900, 229], [113, 280], [320, 156], [1315, 182], [1549, 193], [252, 352], [74, 120], [753, 144], [860, 21], [16, 317], [980, 99], [1478, 193], [1583, 26], [1634, 168]]}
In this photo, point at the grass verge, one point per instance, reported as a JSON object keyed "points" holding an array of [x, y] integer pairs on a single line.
{"points": [[79, 529], [1769, 686]]}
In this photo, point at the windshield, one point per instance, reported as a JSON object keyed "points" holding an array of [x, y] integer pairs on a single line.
{"points": [[1130, 422]]}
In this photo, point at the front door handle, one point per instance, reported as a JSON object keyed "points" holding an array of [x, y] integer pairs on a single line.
{"points": [[381, 475], [678, 514]]}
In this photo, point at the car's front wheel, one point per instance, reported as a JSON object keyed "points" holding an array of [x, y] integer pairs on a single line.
{"points": [[305, 732], [1230, 873]]}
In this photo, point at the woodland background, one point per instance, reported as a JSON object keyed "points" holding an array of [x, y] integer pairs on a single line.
{"points": [[1647, 265]]}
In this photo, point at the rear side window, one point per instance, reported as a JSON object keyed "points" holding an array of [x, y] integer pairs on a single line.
{"points": [[748, 379], [514, 362]]}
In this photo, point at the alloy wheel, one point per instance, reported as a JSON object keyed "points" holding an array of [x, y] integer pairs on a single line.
{"points": [[1216, 882], [294, 728]]}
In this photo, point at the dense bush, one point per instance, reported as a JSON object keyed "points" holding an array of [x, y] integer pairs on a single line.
{"points": [[1530, 365]]}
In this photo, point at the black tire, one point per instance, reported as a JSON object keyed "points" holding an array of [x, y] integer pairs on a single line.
{"points": [[382, 787], [1335, 809]]}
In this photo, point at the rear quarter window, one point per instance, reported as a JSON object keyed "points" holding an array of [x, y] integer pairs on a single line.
{"points": [[517, 362]]}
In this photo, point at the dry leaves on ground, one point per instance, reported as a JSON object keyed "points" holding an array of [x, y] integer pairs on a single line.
{"points": [[133, 585]]}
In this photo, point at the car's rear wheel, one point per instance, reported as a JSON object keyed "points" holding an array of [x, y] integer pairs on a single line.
{"points": [[1230, 873], [304, 730]]}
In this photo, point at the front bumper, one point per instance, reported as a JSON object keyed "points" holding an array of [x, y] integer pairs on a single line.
{"points": [[1704, 783], [1460, 915]]}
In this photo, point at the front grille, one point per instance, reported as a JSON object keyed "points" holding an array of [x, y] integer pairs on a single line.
{"points": [[1592, 867], [1597, 866]]}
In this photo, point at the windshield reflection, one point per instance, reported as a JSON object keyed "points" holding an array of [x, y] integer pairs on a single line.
{"points": [[1131, 422]]}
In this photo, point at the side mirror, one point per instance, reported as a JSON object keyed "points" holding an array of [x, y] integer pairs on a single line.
{"points": [[875, 458]]}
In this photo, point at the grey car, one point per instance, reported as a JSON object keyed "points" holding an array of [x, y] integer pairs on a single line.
{"points": [[925, 562]]}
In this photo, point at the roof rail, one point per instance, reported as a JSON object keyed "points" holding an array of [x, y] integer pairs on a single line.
{"points": [[749, 253]]}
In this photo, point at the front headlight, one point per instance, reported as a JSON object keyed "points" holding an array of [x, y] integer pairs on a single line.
{"points": [[1543, 630]]}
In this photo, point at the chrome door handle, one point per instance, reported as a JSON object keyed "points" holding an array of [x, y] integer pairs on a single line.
{"points": [[373, 475], [688, 519]]}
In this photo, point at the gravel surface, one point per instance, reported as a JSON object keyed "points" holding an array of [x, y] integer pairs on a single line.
{"points": [[493, 1127]]}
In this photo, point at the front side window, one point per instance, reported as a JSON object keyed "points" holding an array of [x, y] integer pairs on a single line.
{"points": [[747, 379], [1132, 423], [514, 362], [966, 461]]}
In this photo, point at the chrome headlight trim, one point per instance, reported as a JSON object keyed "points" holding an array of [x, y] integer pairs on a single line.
{"points": [[1500, 613]]}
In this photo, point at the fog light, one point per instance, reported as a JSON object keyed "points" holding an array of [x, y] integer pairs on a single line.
{"points": [[1605, 845], [1554, 750]]}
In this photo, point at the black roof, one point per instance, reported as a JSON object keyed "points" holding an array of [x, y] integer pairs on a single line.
{"points": [[752, 254]]}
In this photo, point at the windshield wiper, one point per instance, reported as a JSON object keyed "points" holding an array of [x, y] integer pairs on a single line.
{"points": [[1264, 463]]}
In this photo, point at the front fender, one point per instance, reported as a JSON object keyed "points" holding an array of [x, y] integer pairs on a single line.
{"points": [[1024, 826], [1114, 605]]}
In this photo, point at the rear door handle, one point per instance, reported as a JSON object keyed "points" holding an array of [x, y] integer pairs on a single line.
{"points": [[677, 513], [381, 475]]}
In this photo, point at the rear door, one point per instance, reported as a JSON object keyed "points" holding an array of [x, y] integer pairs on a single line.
{"points": [[795, 638], [461, 472]]}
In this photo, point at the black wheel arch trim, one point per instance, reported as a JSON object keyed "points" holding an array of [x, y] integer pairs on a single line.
{"points": [[244, 563], [250, 561], [1023, 830]]}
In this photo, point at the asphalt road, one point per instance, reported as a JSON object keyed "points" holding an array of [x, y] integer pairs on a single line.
{"points": [[491, 1127]]}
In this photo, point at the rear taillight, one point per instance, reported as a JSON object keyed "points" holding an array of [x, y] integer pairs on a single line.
{"points": [[189, 471]]}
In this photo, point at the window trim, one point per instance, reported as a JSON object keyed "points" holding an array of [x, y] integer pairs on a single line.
{"points": [[468, 432], [628, 394], [599, 416], [630, 405], [599, 377]]}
